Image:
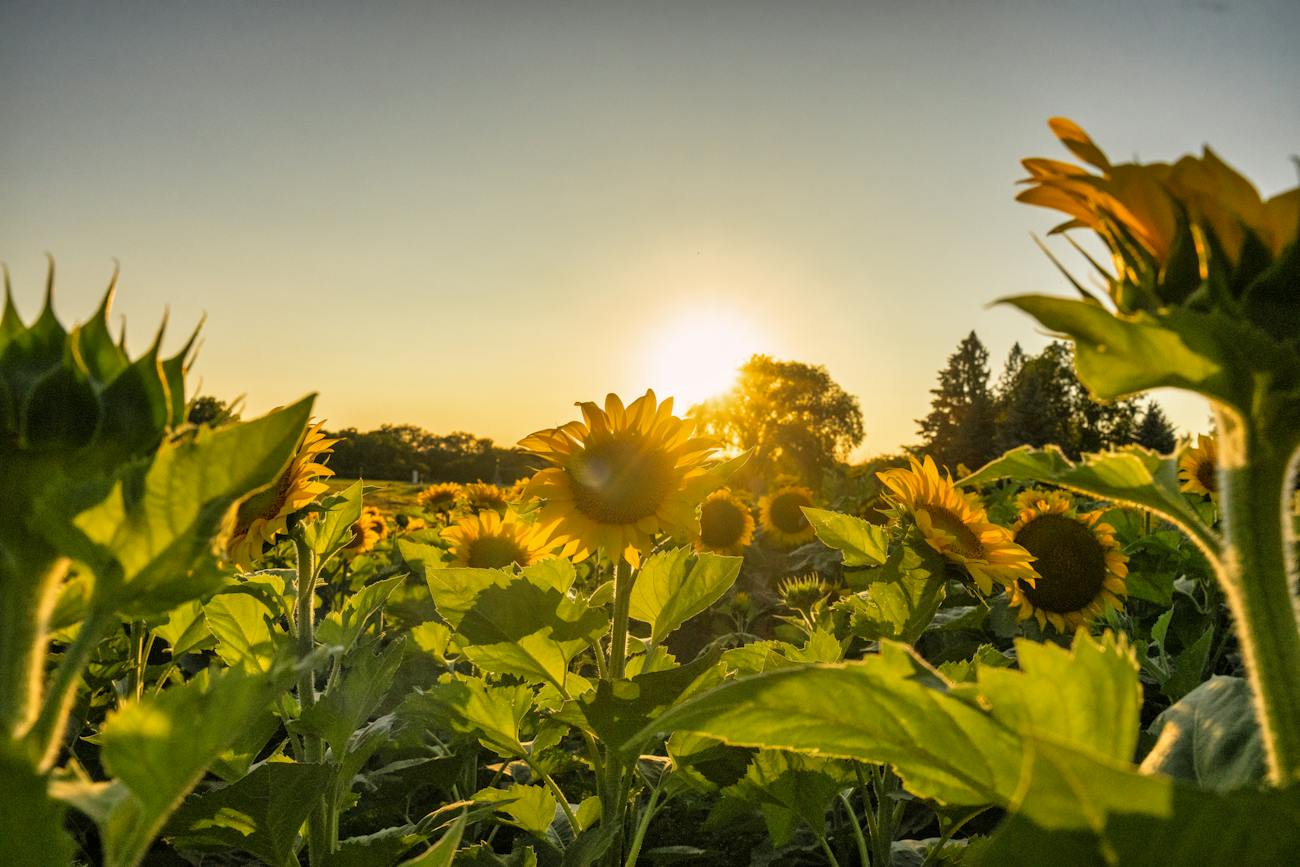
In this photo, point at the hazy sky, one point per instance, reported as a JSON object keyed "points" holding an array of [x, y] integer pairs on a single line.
{"points": [[469, 215]]}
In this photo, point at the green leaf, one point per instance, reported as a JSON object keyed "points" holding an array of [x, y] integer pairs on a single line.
{"points": [[467, 705], [31, 822], [666, 595], [531, 808], [185, 628], [150, 542], [343, 627], [1131, 476], [1188, 667], [861, 543], [790, 788], [442, 853], [331, 530], [510, 624], [159, 748], [348, 703], [903, 597], [617, 710], [246, 637], [260, 814], [1210, 738]]}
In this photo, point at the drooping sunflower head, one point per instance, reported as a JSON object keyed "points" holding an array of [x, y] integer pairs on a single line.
{"points": [[781, 513], [367, 532], [1198, 467], [726, 525], [1031, 498], [956, 525], [488, 541], [262, 517], [483, 495], [439, 498], [1081, 570], [620, 476], [410, 523]]}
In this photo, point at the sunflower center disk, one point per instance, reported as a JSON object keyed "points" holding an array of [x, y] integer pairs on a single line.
{"points": [[1206, 476], [1071, 563], [786, 514], [620, 482], [721, 524], [965, 541], [495, 552]]}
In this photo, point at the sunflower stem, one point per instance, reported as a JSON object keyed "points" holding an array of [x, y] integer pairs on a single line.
{"points": [[623, 581], [614, 785], [1258, 575], [320, 820]]}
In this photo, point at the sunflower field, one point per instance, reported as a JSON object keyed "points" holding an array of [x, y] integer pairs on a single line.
{"points": [[213, 653]]}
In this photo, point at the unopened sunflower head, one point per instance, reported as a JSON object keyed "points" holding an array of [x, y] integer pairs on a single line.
{"points": [[489, 541], [805, 593], [726, 525], [782, 517], [1173, 229], [1198, 467], [367, 532], [620, 476], [437, 498], [264, 516], [956, 525], [1080, 567]]}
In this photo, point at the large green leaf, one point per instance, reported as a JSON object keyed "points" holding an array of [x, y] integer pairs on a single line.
{"points": [[242, 624], [331, 529], [442, 853], [902, 597], [260, 814], [1131, 476], [667, 594], [892, 708], [790, 788], [1210, 737], [31, 822], [617, 710], [468, 705], [861, 543], [531, 808], [159, 748], [353, 696], [511, 624], [343, 626], [149, 542]]}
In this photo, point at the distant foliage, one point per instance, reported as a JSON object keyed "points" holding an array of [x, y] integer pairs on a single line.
{"points": [[395, 451], [796, 419], [1037, 400]]}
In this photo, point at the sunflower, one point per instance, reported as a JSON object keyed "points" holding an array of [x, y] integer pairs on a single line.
{"points": [[439, 498], [957, 526], [782, 516], [1198, 467], [726, 526], [620, 476], [804, 593], [368, 530], [482, 495], [265, 515], [487, 541], [1081, 570], [410, 523], [1031, 498]]}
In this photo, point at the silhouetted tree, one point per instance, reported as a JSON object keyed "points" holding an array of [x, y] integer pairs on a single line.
{"points": [[395, 451], [1155, 432], [796, 419], [207, 410], [961, 425]]}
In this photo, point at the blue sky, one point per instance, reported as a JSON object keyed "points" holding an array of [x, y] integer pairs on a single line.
{"points": [[469, 215]]}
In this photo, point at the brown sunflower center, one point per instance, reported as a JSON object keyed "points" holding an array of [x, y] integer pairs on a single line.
{"points": [[1071, 563], [495, 552], [621, 481], [721, 524], [1206, 476], [965, 541], [787, 516]]}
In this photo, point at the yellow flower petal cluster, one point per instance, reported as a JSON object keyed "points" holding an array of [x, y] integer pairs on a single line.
{"points": [[1081, 571], [781, 515], [620, 476], [957, 526], [367, 532], [1198, 467], [488, 541], [483, 495], [264, 516], [726, 525], [441, 497]]}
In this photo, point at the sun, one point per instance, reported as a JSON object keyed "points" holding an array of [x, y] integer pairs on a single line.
{"points": [[697, 355]]}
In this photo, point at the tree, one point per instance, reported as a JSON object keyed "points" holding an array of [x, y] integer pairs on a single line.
{"points": [[1155, 432], [795, 418], [205, 409], [961, 425]]}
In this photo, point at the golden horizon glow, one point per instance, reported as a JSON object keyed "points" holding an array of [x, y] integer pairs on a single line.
{"points": [[698, 355]]}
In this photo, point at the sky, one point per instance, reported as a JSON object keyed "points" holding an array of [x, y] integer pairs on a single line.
{"points": [[467, 216]]}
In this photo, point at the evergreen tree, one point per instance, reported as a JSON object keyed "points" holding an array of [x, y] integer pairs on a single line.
{"points": [[1155, 432], [961, 425]]}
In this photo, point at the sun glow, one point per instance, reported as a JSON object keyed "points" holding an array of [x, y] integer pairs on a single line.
{"points": [[697, 356]]}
